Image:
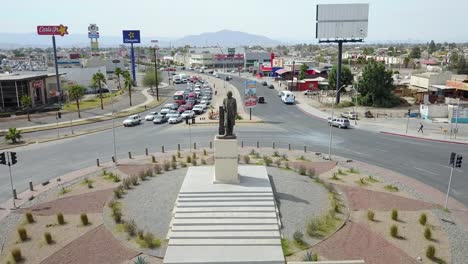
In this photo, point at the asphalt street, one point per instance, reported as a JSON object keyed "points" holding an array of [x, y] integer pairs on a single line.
{"points": [[425, 161]]}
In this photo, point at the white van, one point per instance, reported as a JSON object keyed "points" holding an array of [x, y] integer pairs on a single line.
{"points": [[288, 97], [176, 79], [183, 78]]}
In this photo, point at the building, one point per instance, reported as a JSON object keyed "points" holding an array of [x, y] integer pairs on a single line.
{"points": [[427, 79], [80, 76], [41, 87], [252, 58]]}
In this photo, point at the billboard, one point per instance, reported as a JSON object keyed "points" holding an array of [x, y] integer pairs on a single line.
{"points": [[93, 31], [342, 21], [60, 30], [131, 36], [250, 94]]}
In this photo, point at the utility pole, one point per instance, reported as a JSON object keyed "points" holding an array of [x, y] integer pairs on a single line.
{"points": [[156, 68], [407, 120], [10, 159], [456, 118], [292, 76], [455, 162]]}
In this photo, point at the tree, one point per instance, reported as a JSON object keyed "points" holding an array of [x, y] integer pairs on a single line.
{"points": [[461, 65], [432, 47], [391, 51], [98, 79], [302, 71], [76, 92], [128, 83], [26, 103], [118, 72], [13, 135], [415, 52], [454, 60], [368, 51], [346, 77], [406, 61], [149, 79], [376, 86]]}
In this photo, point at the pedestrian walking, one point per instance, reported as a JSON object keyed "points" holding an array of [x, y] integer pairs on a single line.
{"points": [[421, 127]]}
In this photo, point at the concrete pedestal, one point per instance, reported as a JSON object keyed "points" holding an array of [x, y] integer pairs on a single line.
{"points": [[225, 161]]}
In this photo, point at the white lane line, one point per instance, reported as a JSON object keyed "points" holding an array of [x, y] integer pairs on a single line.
{"points": [[448, 167], [426, 171]]}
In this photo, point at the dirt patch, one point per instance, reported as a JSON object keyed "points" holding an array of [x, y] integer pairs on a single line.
{"points": [[134, 169], [362, 199], [88, 202], [98, 246], [356, 241]]}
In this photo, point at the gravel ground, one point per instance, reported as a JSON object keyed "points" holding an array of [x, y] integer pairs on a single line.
{"points": [[151, 203], [300, 199]]}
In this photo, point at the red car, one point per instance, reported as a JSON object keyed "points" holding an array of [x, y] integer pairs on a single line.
{"points": [[188, 106], [181, 109]]}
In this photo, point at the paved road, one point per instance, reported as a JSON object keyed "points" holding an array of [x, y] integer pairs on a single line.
{"points": [[422, 160]]}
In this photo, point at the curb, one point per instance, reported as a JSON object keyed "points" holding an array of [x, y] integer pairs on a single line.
{"points": [[427, 139]]}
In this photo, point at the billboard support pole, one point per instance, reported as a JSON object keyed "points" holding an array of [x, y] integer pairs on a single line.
{"points": [[250, 114], [133, 63], [338, 71], [57, 77]]}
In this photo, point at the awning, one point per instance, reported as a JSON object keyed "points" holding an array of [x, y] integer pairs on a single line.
{"points": [[282, 71]]}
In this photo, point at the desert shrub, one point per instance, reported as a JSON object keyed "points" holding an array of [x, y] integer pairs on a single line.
{"points": [[117, 193], [370, 215], [361, 182], [22, 233], [204, 152], [48, 238], [277, 162], [423, 219], [285, 247], [84, 219], [394, 231], [353, 170], [284, 157], [430, 251], [179, 155], [188, 159], [141, 234], [174, 165], [29, 217], [16, 255], [130, 227], [299, 237], [153, 159], [194, 162], [335, 177], [341, 172], [166, 165], [371, 179], [194, 155], [286, 165], [203, 161], [150, 241], [310, 172], [246, 159], [134, 180], [140, 260], [276, 154], [64, 190], [301, 170], [142, 175], [394, 215], [252, 152], [391, 188], [427, 233], [157, 169], [183, 164], [117, 215], [174, 159], [308, 256], [60, 218], [267, 161], [127, 183], [149, 173]]}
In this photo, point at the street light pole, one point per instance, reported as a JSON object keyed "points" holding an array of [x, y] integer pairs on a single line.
{"points": [[331, 126], [456, 119], [292, 76], [113, 127], [156, 72]]}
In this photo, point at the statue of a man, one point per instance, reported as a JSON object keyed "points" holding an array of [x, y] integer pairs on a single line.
{"points": [[230, 113]]}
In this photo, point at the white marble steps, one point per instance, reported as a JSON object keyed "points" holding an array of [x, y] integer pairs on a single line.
{"points": [[222, 234], [224, 228], [223, 209], [219, 215], [223, 199], [230, 203], [252, 221], [226, 242]]}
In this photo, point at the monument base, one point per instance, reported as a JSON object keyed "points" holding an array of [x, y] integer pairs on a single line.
{"points": [[225, 161]]}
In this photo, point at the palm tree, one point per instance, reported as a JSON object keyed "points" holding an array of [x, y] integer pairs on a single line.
{"points": [[98, 79], [128, 84], [13, 135], [118, 72], [76, 92], [26, 102]]}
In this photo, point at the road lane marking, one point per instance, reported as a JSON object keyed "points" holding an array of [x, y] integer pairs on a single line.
{"points": [[426, 171]]}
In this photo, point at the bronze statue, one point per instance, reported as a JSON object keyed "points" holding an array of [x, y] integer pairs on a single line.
{"points": [[227, 117]]}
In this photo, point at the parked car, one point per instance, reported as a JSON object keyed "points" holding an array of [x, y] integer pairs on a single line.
{"points": [[198, 109], [264, 83], [150, 116], [181, 109], [206, 102], [188, 106], [205, 106], [216, 76], [188, 113], [349, 115], [261, 100], [310, 92], [174, 118], [206, 98], [159, 119], [339, 122], [132, 120], [271, 86], [227, 78]]}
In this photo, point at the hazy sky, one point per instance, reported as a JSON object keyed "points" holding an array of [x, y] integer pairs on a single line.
{"points": [[278, 19]]}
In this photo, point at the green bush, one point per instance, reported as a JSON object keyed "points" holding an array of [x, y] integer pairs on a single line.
{"points": [[391, 188], [48, 238], [205, 153], [194, 155], [267, 161], [335, 177], [141, 234], [23, 234], [64, 190], [394, 215], [194, 162], [427, 233], [362, 182], [127, 183], [84, 219], [150, 241], [246, 159], [183, 164], [174, 159], [117, 215], [353, 170], [188, 159], [16, 255], [29, 217], [308, 256], [117, 193], [276, 154], [157, 169], [298, 237], [394, 231], [203, 161], [60, 218], [174, 165], [423, 219], [430, 252], [153, 159], [130, 227], [284, 157], [370, 215], [371, 179], [285, 246], [166, 165], [134, 180], [341, 172]]}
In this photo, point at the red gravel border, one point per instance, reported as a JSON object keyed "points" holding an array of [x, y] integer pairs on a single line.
{"points": [[355, 241], [96, 246]]}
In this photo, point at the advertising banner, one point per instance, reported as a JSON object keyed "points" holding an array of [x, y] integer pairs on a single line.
{"points": [[250, 94], [60, 30], [131, 36]]}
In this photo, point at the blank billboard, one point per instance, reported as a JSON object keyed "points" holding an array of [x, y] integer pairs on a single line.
{"points": [[342, 21]]}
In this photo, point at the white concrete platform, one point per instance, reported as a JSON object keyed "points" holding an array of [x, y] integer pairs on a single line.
{"points": [[225, 223]]}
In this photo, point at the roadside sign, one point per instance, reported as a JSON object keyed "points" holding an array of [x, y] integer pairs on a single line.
{"points": [[131, 36], [60, 30], [250, 94]]}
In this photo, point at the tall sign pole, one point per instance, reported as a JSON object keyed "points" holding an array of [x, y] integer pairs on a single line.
{"points": [[10, 159], [156, 67], [131, 37], [60, 30], [133, 63]]}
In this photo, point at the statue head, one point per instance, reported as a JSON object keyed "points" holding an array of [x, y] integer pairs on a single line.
{"points": [[229, 94]]}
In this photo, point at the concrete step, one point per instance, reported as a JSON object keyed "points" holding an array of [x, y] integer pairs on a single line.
{"points": [[222, 209], [199, 195], [227, 192], [224, 242], [225, 234], [225, 228], [226, 215], [230, 203], [223, 199], [241, 221]]}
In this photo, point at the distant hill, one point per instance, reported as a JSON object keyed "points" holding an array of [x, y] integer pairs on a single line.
{"points": [[225, 38]]}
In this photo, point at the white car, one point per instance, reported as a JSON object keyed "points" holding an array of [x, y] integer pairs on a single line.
{"points": [[339, 122], [206, 85], [150, 116], [216, 75], [188, 113], [174, 118], [205, 106], [204, 102], [198, 109], [132, 120]]}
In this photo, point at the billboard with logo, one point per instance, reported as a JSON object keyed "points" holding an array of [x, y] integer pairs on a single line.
{"points": [[250, 94], [131, 36]]}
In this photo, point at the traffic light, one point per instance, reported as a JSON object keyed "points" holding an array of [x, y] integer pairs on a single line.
{"points": [[409, 112], [452, 158], [3, 158], [458, 163], [14, 160], [59, 115]]}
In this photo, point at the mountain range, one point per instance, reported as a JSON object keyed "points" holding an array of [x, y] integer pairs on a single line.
{"points": [[223, 38]]}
